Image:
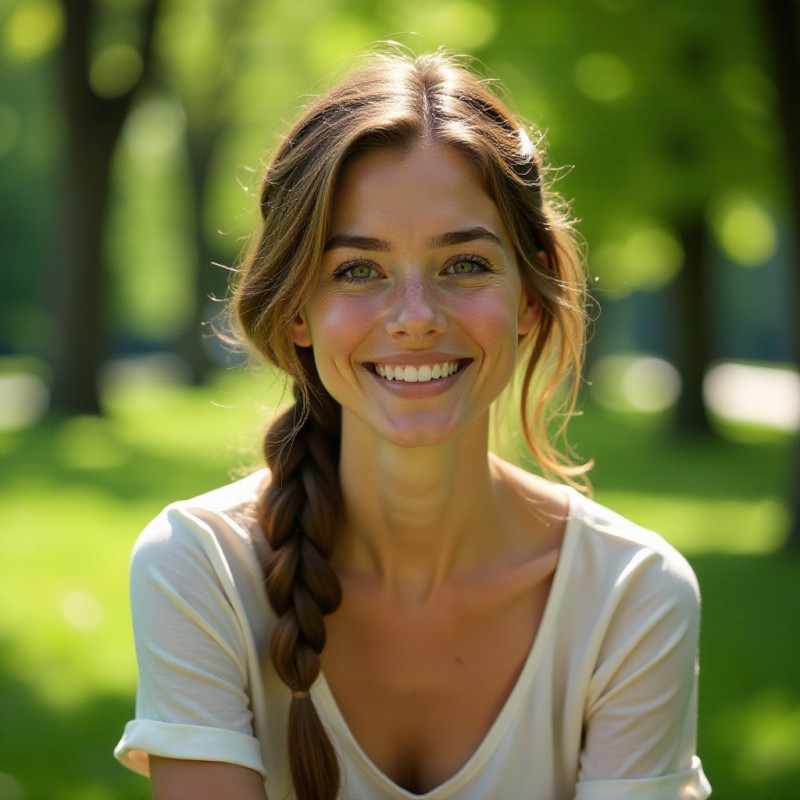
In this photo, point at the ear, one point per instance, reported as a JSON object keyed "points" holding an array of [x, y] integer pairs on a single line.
{"points": [[299, 331], [530, 309]]}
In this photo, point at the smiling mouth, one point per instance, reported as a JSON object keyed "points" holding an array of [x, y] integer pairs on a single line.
{"points": [[418, 374]]}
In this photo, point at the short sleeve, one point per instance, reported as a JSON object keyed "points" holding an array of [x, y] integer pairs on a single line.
{"points": [[192, 699], [641, 712]]}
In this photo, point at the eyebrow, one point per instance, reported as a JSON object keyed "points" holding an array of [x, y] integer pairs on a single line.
{"points": [[435, 242]]}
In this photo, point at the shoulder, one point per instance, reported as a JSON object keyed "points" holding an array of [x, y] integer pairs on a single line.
{"points": [[216, 531], [608, 542], [626, 583]]}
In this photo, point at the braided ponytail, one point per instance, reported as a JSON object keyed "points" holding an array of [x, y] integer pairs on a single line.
{"points": [[299, 513]]}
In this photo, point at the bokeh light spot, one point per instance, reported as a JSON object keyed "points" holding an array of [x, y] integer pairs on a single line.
{"points": [[770, 733], [750, 89], [34, 28], [603, 77], [115, 70], [23, 400], [649, 258], [750, 393], [644, 384], [81, 610], [462, 24], [334, 39], [154, 129], [743, 229]]}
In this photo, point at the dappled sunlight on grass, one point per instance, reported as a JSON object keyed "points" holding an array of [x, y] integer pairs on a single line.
{"points": [[749, 682], [770, 726], [698, 525]]}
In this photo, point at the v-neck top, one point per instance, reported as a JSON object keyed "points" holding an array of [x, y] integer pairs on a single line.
{"points": [[604, 707]]}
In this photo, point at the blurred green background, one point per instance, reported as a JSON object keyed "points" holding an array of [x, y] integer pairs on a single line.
{"points": [[132, 133]]}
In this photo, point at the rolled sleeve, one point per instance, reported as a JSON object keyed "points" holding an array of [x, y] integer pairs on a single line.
{"points": [[193, 698], [641, 712]]}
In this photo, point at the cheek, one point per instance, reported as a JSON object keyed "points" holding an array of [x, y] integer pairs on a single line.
{"points": [[339, 324], [492, 318]]}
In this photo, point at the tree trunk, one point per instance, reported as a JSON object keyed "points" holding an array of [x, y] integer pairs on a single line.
{"points": [[781, 24], [693, 337], [201, 142], [78, 277]]}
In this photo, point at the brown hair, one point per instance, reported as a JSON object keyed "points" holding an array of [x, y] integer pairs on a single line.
{"points": [[395, 101]]}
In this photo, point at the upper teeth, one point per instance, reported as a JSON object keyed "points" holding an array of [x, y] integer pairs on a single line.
{"points": [[420, 374]]}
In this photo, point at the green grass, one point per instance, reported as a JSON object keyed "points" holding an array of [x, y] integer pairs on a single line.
{"points": [[75, 494]]}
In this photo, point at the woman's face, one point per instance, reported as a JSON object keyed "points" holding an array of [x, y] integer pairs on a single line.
{"points": [[418, 305]]}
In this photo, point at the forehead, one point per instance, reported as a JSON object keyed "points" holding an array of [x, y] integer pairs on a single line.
{"points": [[426, 190]]}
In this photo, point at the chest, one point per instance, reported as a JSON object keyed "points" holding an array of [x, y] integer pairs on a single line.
{"points": [[420, 688]]}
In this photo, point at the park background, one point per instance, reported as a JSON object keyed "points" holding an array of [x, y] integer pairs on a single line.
{"points": [[132, 133]]}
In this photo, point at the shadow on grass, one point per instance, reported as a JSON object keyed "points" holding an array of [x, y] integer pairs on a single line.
{"points": [[749, 681], [52, 753], [124, 470]]}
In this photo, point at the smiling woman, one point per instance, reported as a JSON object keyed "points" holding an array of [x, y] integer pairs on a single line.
{"points": [[388, 610]]}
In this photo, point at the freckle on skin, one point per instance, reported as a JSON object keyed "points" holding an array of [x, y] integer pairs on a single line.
{"points": [[459, 661]]}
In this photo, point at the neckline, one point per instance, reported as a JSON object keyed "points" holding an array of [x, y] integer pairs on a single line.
{"points": [[331, 715]]}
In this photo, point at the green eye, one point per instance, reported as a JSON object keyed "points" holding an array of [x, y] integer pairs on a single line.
{"points": [[467, 265], [360, 271], [356, 271]]}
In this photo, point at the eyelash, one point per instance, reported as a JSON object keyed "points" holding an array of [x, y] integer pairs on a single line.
{"points": [[472, 258], [341, 271]]}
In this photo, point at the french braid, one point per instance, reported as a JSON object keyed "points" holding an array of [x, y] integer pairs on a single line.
{"points": [[299, 512]]}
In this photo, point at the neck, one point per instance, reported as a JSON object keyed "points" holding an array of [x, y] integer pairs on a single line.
{"points": [[414, 516]]}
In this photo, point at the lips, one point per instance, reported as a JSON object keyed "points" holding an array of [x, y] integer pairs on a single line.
{"points": [[417, 373]]}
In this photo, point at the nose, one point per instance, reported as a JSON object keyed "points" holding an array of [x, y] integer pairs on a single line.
{"points": [[415, 312]]}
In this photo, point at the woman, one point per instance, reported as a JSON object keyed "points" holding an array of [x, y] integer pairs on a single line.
{"points": [[390, 611]]}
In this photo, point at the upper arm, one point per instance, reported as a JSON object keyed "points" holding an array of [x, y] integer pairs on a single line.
{"points": [[640, 717], [193, 698], [176, 779]]}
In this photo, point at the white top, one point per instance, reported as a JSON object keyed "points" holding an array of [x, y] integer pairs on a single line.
{"points": [[604, 708]]}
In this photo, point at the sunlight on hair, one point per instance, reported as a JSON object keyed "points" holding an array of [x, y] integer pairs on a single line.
{"points": [[755, 394]]}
